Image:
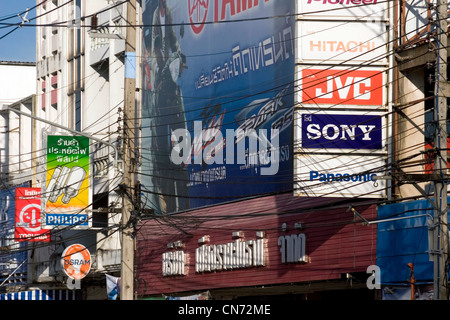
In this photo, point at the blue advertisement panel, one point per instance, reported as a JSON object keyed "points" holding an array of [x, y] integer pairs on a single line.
{"points": [[217, 101], [404, 239], [343, 131], [11, 264]]}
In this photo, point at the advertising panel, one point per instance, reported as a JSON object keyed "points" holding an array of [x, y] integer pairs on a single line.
{"points": [[76, 261], [345, 132], [217, 101], [11, 263], [354, 9], [66, 194], [344, 42], [342, 87], [339, 176], [28, 216]]}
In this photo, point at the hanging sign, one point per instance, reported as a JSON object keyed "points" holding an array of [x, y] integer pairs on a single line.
{"points": [[66, 195], [76, 261], [28, 216]]}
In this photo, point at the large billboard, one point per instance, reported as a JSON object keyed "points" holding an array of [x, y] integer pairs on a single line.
{"points": [[217, 101], [341, 115], [66, 195]]}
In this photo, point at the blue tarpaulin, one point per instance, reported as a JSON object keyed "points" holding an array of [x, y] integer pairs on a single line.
{"points": [[52, 294], [402, 241]]}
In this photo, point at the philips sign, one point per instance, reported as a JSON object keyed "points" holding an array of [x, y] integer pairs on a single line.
{"points": [[341, 131]]}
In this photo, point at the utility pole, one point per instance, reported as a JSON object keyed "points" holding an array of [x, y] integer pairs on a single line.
{"points": [[440, 162], [128, 241]]}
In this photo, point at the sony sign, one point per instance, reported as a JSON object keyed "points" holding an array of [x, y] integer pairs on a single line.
{"points": [[341, 131]]}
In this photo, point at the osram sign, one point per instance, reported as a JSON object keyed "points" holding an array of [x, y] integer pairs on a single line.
{"points": [[76, 261], [342, 87]]}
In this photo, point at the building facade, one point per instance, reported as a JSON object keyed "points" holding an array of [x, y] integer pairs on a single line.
{"points": [[266, 150], [16, 94], [283, 147], [78, 80]]}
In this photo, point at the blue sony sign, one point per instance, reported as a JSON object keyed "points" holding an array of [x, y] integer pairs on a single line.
{"points": [[341, 131]]}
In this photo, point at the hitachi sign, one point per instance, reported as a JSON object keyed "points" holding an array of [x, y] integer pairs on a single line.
{"points": [[349, 2], [341, 131]]}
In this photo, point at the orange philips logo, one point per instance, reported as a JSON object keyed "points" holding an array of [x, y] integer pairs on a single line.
{"points": [[76, 261]]}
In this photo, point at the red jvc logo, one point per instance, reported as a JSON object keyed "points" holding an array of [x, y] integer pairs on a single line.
{"points": [[341, 87]]}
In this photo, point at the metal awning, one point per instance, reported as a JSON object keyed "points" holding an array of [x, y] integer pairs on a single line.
{"points": [[52, 294]]}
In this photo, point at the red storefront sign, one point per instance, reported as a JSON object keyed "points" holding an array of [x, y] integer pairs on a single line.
{"points": [[28, 216], [249, 243], [342, 87]]}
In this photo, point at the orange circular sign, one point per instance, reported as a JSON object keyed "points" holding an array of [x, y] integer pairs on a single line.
{"points": [[76, 261]]}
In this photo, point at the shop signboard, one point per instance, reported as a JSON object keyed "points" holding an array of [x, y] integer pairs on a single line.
{"points": [[341, 132], [201, 97], [76, 261], [342, 88], [66, 195], [343, 42], [11, 263], [331, 175], [354, 9], [28, 216]]}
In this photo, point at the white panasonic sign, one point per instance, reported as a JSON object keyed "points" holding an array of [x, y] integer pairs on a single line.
{"points": [[334, 176]]}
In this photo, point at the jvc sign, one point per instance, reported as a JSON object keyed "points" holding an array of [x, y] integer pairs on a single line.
{"points": [[341, 131], [342, 87]]}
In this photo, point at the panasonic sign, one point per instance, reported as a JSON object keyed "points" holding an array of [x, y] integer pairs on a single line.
{"points": [[341, 131]]}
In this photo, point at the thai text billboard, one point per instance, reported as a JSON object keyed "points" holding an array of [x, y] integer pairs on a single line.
{"points": [[66, 195], [217, 101]]}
